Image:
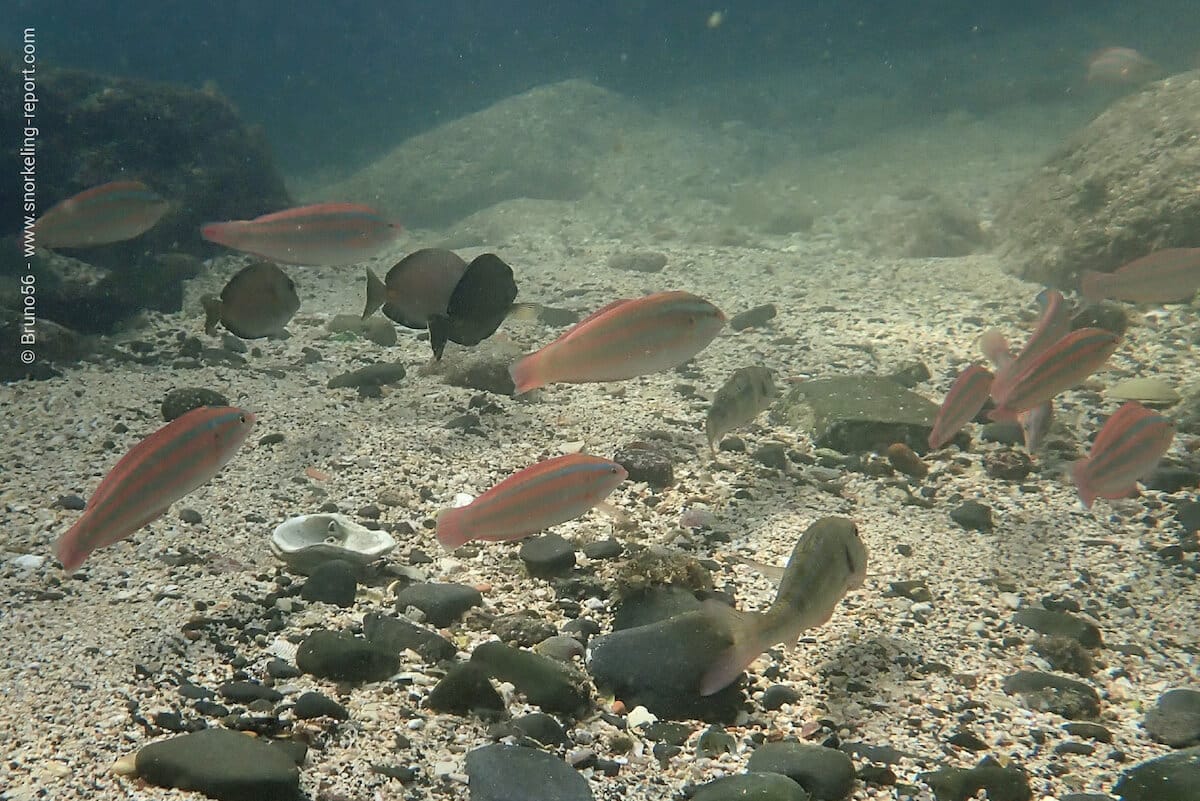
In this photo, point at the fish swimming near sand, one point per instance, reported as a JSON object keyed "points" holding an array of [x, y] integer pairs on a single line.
{"points": [[416, 288], [1059, 367], [104, 214], [481, 301], [1127, 448], [966, 397], [1164, 276], [545, 494], [324, 234], [828, 561], [259, 301], [746, 394], [625, 339], [176, 459]]}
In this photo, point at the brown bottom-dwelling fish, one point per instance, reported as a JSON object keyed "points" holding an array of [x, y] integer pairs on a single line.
{"points": [[828, 561], [748, 392]]}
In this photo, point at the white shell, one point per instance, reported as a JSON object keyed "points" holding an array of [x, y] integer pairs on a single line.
{"points": [[306, 541]]}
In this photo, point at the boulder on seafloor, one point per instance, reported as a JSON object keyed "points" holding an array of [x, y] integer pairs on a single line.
{"points": [[510, 772], [188, 145], [1173, 777], [659, 666], [751, 787], [857, 413], [554, 137], [1122, 187], [554, 686], [961, 784], [221, 764]]}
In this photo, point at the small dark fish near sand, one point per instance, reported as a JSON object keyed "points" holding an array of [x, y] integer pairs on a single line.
{"points": [[259, 301], [435, 289], [828, 561], [747, 393]]}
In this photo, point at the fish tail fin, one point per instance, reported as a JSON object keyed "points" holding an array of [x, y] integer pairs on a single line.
{"points": [[525, 312], [525, 374], [1087, 493], [376, 294], [212, 313], [745, 633], [215, 232], [451, 529], [69, 549], [1091, 286]]}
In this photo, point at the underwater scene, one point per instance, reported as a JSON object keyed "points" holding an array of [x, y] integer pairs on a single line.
{"points": [[580, 401]]}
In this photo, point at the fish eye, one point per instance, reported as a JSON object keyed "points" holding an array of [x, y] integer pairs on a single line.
{"points": [[241, 418]]}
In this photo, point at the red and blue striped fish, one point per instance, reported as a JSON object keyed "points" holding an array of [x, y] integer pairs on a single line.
{"points": [[1055, 369], [322, 235], [176, 459], [534, 499], [625, 339], [966, 397], [1053, 325], [1127, 448], [1165, 276], [104, 214]]}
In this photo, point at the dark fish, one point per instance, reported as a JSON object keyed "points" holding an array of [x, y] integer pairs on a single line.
{"points": [[482, 299], [260, 300], [416, 288], [748, 392], [828, 561]]}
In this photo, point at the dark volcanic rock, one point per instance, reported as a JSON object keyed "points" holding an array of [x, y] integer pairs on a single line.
{"points": [[751, 787], [753, 318], [962, 784], [660, 666], [186, 144], [548, 555], [316, 705], [826, 773], [179, 402], [1060, 624], [465, 689], [333, 582], [335, 655], [442, 603], [1175, 718], [514, 773], [1117, 190], [857, 414], [1173, 777], [398, 634], [645, 461], [373, 375], [1072, 699], [973, 516], [221, 764], [552, 685]]}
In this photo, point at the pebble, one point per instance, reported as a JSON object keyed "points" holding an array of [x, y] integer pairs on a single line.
{"points": [[1046, 692], [337, 655], [1060, 624], [442, 604], [541, 727], [244, 692], [962, 784], [639, 261], [545, 682], [373, 375], [506, 773], [316, 705], [1008, 465], [332, 582], [399, 634], [523, 629], [973, 516], [547, 556], [463, 690], [221, 764], [905, 459], [1175, 718], [825, 773], [751, 787], [562, 647], [755, 317], [775, 696], [647, 463], [179, 402]]}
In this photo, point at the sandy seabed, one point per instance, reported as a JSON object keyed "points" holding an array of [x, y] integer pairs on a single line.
{"points": [[78, 654]]}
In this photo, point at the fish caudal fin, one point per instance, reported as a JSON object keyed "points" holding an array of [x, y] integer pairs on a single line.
{"points": [[746, 636], [451, 530], [525, 375], [376, 294], [1079, 475], [1091, 286]]}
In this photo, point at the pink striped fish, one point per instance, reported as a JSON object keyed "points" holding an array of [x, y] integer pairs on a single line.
{"points": [[1165, 276], [176, 459], [966, 397], [325, 234], [101, 215], [540, 496], [1053, 325], [1057, 368], [625, 339], [1126, 449]]}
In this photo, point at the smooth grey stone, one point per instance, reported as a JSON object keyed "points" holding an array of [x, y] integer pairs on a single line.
{"points": [[513, 773]]}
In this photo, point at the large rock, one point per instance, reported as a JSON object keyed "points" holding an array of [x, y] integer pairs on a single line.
{"points": [[857, 413], [542, 144], [221, 764], [1119, 189], [188, 145]]}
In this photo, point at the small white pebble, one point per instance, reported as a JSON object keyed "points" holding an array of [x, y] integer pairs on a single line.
{"points": [[639, 716], [29, 561], [416, 724], [1010, 600]]}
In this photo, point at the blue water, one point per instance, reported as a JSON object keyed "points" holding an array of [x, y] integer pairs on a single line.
{"points": [[338, 82]]}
